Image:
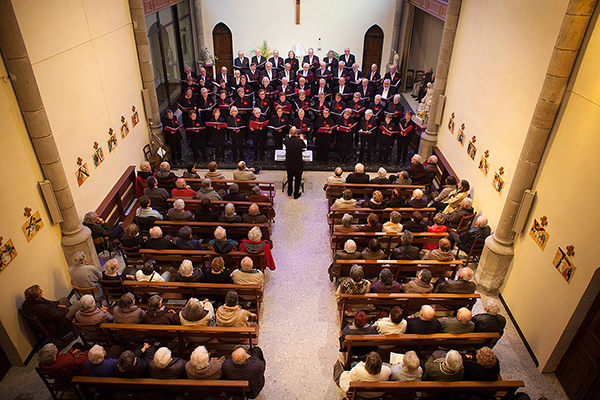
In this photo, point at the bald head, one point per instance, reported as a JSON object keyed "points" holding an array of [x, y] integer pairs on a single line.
{"points": [[463, 315], [427, 313], [239, 356], [466, 273]]}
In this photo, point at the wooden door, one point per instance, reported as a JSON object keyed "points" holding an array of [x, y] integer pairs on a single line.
{"points": [[223, 48], [579, 369], [372, 49]]}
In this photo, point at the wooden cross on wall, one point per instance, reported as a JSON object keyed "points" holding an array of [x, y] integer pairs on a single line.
{"points": [[297, 12]]}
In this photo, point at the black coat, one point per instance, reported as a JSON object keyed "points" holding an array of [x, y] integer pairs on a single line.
{"points": [[293, 149]]}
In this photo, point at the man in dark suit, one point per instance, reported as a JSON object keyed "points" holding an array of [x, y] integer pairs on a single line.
{"points": [[241, 63], [311, 59], [224, 76], [269, 72], [246, 367], [206, 76], [356, 74], [393, 76], [276, 61], [288, 73], [462, 285], [366, 91], [343, 88], [259, 60], [480, 231], [387, 91], [285, 87], [359, 175], [188, 73], [373, 75], [348, 58], [293, 161]]}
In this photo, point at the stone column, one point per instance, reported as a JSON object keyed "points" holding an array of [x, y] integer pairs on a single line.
{"points": [[498, 251], [429, 138], [408, 22], [396, 34], [138, 19], [75, 237], [199, 29]]}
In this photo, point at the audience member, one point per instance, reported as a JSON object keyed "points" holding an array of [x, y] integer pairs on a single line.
{"points": [[337, 176], [360, 326], [145, 170], [134, 364], [201, 366], [231, 313], [243, 173], [370, 370], [430, 169], [164, 366], [444, 368], [157, 241], [185, 241], [145, 211], [197, 313], [425, 323], [158, 314], [393, 225], [346, 226], [442, 253], [375, 202], [392, 325], [229, 216], [358, 176], [421, 284], [246, 275], [101, 364], [126, 312], [254, 245], [212, 173], [461, 323], [347, 201], [415, 224], [178, 212], [403, 179], [190, 172], [416, 171], [257, 196], [182, 190], [89, 313], [408, 370], [381, 178], [491, 320], [165, 172], [111, 269], [253, 216], [466, 209], [220, 243], [153, 191], [132, 236], [349, 252], [454, 199], [417, 200], [73, 361], [55, 315], [481, 230], [246, 367], [373, 224], [234, 194], [205, 213], [356, 284], [397, 200], [449, 187], [406, 251], [484, 367], [438, 227], [207, 192], [148, 273], [461, 285], [101, 230], [83, 275], [373, 251], [385, 283], [187, 273]]}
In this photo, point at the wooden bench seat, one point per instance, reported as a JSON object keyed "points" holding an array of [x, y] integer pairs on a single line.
{"points": [[443, 170], [194, 388], [429, 389], [334, 217], [201, 258], [386, 239], [266, 187], [401, 269], [418, 343], [120, 204], [333, 191], [184, 339], [241, 207], [206, 230]]}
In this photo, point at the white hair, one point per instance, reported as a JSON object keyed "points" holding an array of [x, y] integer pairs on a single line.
{"points": [[79, 258], [381, 173], [96, 354], [186, 268], [246, 264], [359, 168], [255, 234], [220, 233], [111, 266], [481, 221], [199, 357], [155, 232], [350, 246], [467, 202], [164, 166], [229, 209], [453, 361], [162, 357], [87, 302], [47, 353], [418, 158], [179, 204], [417, 194], [347, 220], [432, 160], [145, 166], [493, 307], [369, 112], [411, 361]]}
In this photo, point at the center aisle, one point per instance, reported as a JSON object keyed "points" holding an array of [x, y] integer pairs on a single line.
{"points": [[298, 328]]}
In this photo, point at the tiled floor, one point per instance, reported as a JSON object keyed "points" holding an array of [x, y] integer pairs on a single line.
{"points": [[299, 330]]}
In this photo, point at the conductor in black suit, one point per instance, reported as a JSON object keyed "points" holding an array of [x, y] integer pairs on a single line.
{"points": [[293, 161]]}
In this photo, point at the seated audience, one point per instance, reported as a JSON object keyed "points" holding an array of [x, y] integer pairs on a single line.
{"points": [[134, 364], [165, 172], [231, 313], [148, 273], [164, 366], [126, 312], [417, 200], [190, 172], [207, 192], [253, 216], [393, 225], [201, 366], [491, 320], [442, 253], [370, 370], [246, 367], [229, 216], [182, 190], [359, 175], [466, 209], [397, 200], [454, 199], [484, 367], [349, 252], [347, 201], [375, 202], [212, 173], [205, 213], [153, 191], [437, 227], [444, 368], [425, 323], [406, 251], [392, 325], [337, 176], [403, 178], [73, 361], [90, 314], [111, 269], [246, 275], [461, 323], [157, 241], [356, 284], [197, 313], [83, 275], [178, 212], [346, 226], [481, 230], [220, 243], [415, 224], [421, 284], [132, 236], [360, 326], [158, 314], [461, 285], [55, 315], [101, 230], [449, 187], [187, 273], [408, 370], [145, 211], [381, 178], [430, 169], [185, 241], [145, 170], [373, 251], [373, 224], [257, 196], [385, 283], [254, 245], [416, 171], [234, 193], [217, 273], [243, 173], [99, 363]]}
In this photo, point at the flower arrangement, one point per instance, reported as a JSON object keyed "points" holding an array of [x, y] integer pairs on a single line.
{"points": [[265, 49], [208, 56], [424, 115]]}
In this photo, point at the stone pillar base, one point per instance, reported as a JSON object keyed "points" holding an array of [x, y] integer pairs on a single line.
{"points": [[493, 265], [80, 241], [426, 144]]}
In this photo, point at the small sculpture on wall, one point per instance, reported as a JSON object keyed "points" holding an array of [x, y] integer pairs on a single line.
{"points": [[484, 165], [461, 134], [98, 155], [112, 140], [539, 234], [451, 123], [563, 264], [82, 172], [33, 224], [7, 253], [135, 118], [471, 149], [498, 182], [124, 128], [570, 250]]}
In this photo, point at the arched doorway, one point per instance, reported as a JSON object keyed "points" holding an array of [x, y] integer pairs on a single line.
{"points": [[372, 49], [223, 46]]}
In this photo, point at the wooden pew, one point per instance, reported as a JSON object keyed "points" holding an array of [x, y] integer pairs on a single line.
{"points": [[266, 187], [120, 203], [206, 230], [334, 217], [221, 389], [180, 336], [241, 207], [429, 389], [443, 171], [408, 302], [385, 238], [405, 342], [400, 268], [201, 258], [333, 191], [184, 290]]}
